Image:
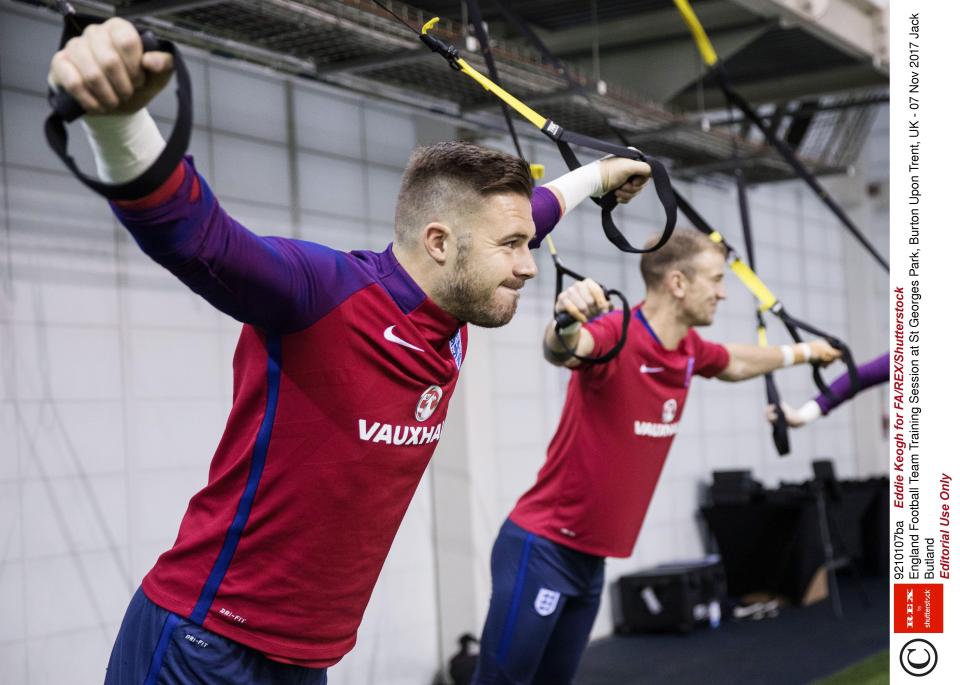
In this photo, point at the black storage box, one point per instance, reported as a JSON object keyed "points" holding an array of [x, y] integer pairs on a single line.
{"points": [[673, 597]]}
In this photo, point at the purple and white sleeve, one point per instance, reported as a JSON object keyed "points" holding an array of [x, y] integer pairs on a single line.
{"points": [[872, 373]]}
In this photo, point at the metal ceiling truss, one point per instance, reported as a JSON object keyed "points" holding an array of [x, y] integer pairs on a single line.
{"points": [[355, 44]]}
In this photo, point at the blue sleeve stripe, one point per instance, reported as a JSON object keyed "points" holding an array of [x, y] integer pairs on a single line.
{"points": [[156, 662], [253, 481], [507, 636]]}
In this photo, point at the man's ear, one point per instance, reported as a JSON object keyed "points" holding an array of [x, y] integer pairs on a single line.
{"points": [[676, 282], [438, 242]]}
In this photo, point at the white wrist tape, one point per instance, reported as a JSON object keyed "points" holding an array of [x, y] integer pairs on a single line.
{"points": [[124, 145], [570, 329], [810, 411], [579, 184], [787, 351], [807, 352]]}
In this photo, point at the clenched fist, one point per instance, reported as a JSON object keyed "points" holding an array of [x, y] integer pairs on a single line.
{"points": [[106, 70]]}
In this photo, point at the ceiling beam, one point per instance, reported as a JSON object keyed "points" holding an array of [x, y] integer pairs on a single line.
{"points": [[857, 27], [839, 79], [373, 62], [156, 8], [629, 31]]}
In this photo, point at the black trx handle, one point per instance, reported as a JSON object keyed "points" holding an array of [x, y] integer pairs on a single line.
{"points": [[794, 325], [66, 109], [564, 319]]}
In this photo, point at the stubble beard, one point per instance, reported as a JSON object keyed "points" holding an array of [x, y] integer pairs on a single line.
{"points": [[464, 295]]}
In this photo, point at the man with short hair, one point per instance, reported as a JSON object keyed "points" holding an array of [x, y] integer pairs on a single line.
{"points": [[604, 461], [342, 377]]}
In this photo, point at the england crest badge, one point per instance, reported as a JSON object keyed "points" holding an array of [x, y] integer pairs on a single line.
{"points": [[546, 601]]}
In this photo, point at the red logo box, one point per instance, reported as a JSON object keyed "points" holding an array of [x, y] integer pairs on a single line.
{"points": [[918, 608]]}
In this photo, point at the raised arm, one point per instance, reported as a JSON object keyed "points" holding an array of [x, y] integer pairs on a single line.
{"points": [[273, 283]]}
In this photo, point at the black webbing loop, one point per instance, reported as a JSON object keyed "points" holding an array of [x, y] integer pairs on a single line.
{"points": [[794, 325], [564, 319], [607, 203], [66, 109], [780, 430]]}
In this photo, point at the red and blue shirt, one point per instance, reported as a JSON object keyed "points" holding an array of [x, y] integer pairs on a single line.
{"points": [[342, 377], [617, 425]]}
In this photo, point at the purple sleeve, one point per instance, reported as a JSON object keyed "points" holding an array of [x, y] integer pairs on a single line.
{"points": [[278, 284], [872, 373], [546, 213]]}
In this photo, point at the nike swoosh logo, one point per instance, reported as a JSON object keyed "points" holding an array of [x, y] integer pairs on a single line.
{"points": [[392, 337], [650, 369]]}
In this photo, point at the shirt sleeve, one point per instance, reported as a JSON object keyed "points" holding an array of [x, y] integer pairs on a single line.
{"points": [[273, 283], [872, 373], [546, 213], [709, 357], [605, 330]]}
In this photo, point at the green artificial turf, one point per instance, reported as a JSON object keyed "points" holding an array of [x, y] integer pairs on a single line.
{"points": [[874, 670]]}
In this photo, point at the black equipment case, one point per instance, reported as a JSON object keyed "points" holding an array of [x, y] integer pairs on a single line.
{"points": [[674, 597]]}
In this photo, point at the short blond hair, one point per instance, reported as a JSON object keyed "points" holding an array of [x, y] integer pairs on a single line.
{"points": [[679, 252]]}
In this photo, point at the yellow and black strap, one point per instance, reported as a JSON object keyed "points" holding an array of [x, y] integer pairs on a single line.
{"points": [[564, 139]]}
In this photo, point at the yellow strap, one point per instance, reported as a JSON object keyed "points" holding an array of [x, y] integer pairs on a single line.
{"points": [[536, 119], [537, 171], [762, 335], [707, 52], [551, 246], [524, 111], [754, 284]]}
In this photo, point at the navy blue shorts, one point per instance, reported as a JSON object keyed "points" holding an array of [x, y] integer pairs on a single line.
{"points": [[155, 647], [545, 599]]}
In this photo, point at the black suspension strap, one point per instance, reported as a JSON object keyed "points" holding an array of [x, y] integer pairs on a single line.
{"points": [[480, 32], [561, 319], [564, 139], [66, 109], [780, 430]]}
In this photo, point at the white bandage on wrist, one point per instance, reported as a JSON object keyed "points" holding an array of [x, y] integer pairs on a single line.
{"points": [[806, 351], [809, 412], [787, 351], [124, 145], [579, 184], [570, 329]]}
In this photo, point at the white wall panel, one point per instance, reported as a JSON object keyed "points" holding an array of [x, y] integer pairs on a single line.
{"points": [[328, 123], [247, 103], [250, 170]]}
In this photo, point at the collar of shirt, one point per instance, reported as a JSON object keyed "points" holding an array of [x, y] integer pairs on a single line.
{"points": [[435, 323]]}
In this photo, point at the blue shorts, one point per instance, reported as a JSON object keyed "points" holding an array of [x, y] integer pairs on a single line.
{"points": [[545, 599], [155, 647]]}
